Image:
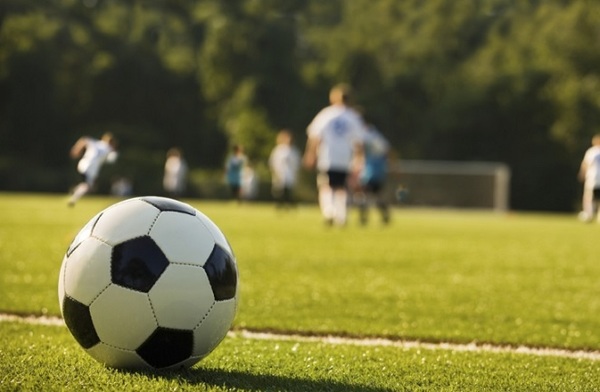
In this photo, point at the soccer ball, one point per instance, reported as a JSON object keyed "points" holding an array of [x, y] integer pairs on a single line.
{"points": [[149, 283]]}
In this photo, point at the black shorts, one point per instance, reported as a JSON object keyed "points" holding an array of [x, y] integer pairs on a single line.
{"points": [[336, 179], [373, 186], [86, 179]]}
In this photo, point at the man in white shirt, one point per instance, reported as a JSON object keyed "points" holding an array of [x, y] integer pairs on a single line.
{"points": [[589, 173], [93, 154], [334, 139]]}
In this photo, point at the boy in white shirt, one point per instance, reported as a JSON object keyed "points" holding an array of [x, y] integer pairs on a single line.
{"points": [[284, 163], [93, 153], [176, 169]]}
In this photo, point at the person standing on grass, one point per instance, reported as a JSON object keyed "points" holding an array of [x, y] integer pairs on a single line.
{"points": [[334, 139], [373, 174], [589, 173], [284, 163], [174, 180], [93, 154], [234, 168]]}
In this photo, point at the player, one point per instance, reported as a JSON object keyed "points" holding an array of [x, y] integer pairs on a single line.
{"points": [[234, 168], [93, 153], [334, 138], [284, 163], [250, 183], [174, 180], [589, 173], [372, 175]]}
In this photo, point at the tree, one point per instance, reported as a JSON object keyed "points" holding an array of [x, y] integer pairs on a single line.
{"points": [[469, 80]]}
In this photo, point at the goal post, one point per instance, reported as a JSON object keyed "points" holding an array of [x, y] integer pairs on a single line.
{"points": [[451, 184]]}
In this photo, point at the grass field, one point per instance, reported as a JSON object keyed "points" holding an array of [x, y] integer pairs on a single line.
{"points": [[432, 276]]}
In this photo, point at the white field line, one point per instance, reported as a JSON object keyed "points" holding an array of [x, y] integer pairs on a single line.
{"points": [[367, 342]]}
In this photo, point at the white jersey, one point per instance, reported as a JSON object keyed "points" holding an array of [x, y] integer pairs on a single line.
{"points": [[284, 163], [175, 174], [339, 129], [592, 161], [96, 152]]}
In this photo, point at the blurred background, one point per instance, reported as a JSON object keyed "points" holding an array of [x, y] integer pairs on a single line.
{"points": [[510, 81]]}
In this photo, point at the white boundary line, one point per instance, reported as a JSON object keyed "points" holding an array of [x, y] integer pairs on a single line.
{"points": [[413, 344], [366, 342], [34, 320]]}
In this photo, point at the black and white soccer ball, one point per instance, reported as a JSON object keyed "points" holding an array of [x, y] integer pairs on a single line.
{"points": [[149, 283]]}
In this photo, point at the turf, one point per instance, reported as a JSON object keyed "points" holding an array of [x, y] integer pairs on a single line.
{"points": [[452, 276], [435, 276], [43, 358], [432, 276]]}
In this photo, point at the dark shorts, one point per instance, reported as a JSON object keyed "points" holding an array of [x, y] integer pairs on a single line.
{"points": [[336, 179], [596, 193], [86, 179], [373, 186]]}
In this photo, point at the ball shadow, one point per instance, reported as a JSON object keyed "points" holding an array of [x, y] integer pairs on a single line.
{"points": [[259, 382]]}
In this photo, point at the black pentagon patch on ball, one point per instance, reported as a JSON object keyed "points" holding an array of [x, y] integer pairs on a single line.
{"points": [[167, 347], [222, 273], [79, 321], [166, 204], [137, 264]]}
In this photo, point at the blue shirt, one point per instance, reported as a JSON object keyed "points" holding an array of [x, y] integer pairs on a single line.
{"points": [[376, 148]]}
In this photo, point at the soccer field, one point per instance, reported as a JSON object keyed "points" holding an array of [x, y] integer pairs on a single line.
{"points": [[439, 280]]}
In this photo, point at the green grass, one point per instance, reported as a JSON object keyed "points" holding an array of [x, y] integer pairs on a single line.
{"points": [[38, 358], [452, 276]]}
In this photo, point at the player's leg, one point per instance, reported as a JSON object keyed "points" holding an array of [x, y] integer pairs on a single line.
{"points": [[236, 191], [595, 203], [381, 202], [340, 206], [588, 204], [286, 196], [81, 189], [337, 182], [325, 197], [362, 201], [277, 193], [384, 209]]}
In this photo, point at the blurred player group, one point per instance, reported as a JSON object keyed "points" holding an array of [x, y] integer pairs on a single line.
{"points": [[349, 155]]}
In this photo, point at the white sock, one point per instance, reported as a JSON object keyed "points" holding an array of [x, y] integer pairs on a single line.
{"points": [[326, 202], [340, 200], [79, 191]]}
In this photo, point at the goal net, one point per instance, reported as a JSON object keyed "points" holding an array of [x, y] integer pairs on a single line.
{"points": [[452, 184]]}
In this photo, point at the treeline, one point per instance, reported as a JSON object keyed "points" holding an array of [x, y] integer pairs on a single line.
{"points": [[495, 80]]}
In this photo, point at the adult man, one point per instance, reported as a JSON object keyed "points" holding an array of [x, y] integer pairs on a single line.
{"points": [[334, 138], [589, 173], [93, 154]]}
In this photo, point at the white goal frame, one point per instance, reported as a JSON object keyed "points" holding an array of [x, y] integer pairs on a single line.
{"points": [[447, 184]]}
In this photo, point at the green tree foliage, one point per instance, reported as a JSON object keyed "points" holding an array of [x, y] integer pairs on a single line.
{"points": [[505, 80], [249, 70]]}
